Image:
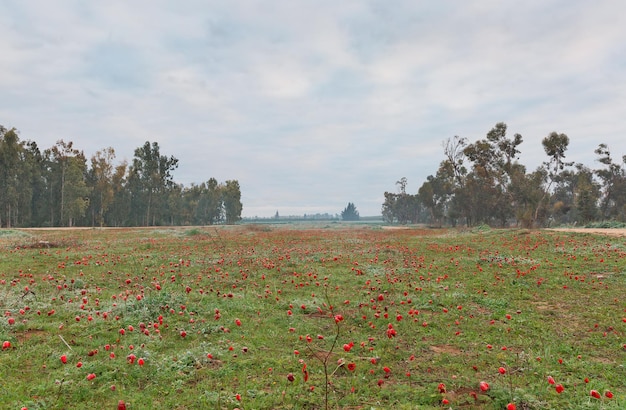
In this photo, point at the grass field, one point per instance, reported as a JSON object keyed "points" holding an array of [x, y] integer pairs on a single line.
{"points": [[334, 316]]}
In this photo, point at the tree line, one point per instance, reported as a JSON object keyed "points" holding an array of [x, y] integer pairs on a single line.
{"points": [[59, 186], [482, 182]]}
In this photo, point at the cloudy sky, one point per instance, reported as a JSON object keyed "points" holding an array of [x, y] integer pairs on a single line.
{"points": [[313, 104]]}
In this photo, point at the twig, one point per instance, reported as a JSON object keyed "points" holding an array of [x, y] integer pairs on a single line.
{"points": [[66, 344]]}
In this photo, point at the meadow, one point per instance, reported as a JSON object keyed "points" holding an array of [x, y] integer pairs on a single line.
{"points": [[312, 317]]}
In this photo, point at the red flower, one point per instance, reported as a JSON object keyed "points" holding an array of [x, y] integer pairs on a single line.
{"points": [[511, 406], [595, 394], [351, 366], [559, 388], [484, 386]]}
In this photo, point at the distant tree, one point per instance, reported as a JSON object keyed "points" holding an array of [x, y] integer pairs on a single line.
{"points": [[56, 187], [613, 179], [118, 213], [401, 207], [389, 206], [487, 185], [150, 178], [231, 199], [68, 189], [214, 211], [587, 194], [554, 146], [100, 178], [10, 164], [350, 213], [433, 196]]}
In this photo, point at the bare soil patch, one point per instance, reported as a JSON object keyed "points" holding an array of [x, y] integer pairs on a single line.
{"points": [[621, 232]]}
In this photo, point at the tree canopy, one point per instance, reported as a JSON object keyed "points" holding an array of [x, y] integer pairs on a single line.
{"points": [[482, 182], [60, 187], [350, 213]]}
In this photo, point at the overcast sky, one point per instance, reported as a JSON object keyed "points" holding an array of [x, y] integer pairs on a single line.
{"points": [[313, 104]]}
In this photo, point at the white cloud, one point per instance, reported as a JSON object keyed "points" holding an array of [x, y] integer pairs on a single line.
{"points": [[312, 104]]}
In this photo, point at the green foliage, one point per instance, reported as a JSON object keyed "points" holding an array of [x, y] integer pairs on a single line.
{"points": [[350, 213], [59, 188], [607, 225], [483, 183], [402, 208]]}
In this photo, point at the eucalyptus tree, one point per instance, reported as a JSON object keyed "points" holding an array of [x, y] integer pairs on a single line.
{"points": [[210, 208], [10, 169], [527, 193], [150, 177], [587, 193], [119, 211], [100, 178], [613, 180], [435, 196], [33, 183], [486, 188], [555, 145], [68, 191], [406, 207], [401, 207], [231, 199], [174, 213]]}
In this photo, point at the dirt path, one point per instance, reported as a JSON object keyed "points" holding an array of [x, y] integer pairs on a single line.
{"points": [[600, 231]]}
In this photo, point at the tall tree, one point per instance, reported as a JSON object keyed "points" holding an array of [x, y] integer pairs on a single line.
{"points": [[527, 192], [210, 208], [405, 209], [401, 207], [613, 179], [231, 198], [10, 169], [68, 189], [554, 145], [486, 188], [35, 211], [586, 193], [101, 184], [151, 175], [119, 212]]}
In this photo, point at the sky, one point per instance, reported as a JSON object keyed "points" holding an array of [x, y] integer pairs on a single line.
{"points": [[313, 104]]}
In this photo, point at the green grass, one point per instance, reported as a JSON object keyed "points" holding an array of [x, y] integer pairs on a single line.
{"points": [[430, 306]]}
